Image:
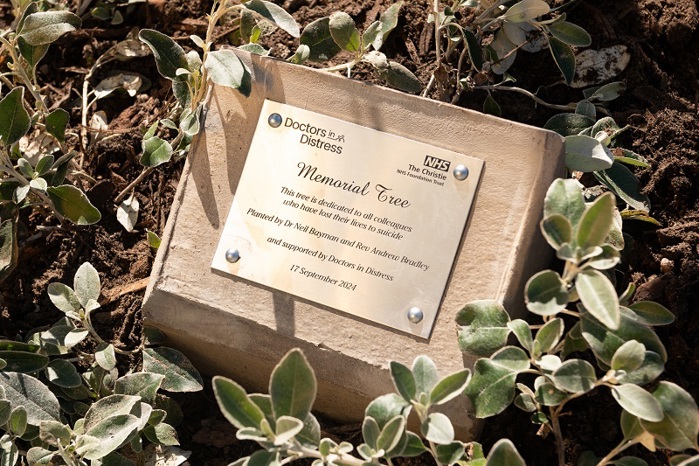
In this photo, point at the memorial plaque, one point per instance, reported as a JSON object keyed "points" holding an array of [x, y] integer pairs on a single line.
{"points": [[360, 220], [239, 317]]}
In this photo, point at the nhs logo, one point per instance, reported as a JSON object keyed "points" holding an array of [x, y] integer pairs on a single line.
{"points": [[439, 164]]}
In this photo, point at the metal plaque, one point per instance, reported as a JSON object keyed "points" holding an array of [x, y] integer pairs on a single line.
{"points": [[355, 219]]}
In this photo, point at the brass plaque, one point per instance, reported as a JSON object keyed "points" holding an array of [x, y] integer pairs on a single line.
{"points": [[356, 219]]}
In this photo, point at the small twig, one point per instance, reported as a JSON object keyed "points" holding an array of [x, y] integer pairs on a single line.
{"points": [[428, 88], [146, 171], [116, 293]]}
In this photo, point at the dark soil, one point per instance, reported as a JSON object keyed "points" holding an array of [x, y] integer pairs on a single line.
{"points": [[661, 105]]}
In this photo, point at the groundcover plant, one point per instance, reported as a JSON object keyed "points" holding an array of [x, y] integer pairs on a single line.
{"points": [[88, 114]]}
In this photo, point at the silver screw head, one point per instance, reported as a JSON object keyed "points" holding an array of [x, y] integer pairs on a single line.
{"points": [[274, 120], [232, 255], [415, 315], [460, 172]]}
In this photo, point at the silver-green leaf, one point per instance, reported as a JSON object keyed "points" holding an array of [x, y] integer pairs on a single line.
{"points": [[575, 376], [235, 404], [73, 204], [63, 374], [638, 402], [403, 380], [344, 32], [316, 36], [652, 313], [86, 284], [226, 69], [450, 387], [629, 356], [180, 374], [37, 399], [109, 406], [492, 388], [546, 293], [484, 327], [604, 342], [599, 297], [400, 77], [625, 185], [504, 453], [425, 373], [564, 57], [526, 10], [437, 428], [548, 336], [143, 384], [275, 14], [156, 151], [587, 154], [111, 433], [679, 427], [45, 27], [565, 197], [169, 56], [292, 386], [570, 33], [14, 118]]}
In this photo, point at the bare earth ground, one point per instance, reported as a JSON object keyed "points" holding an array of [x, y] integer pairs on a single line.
{"points": [[661, 105]]}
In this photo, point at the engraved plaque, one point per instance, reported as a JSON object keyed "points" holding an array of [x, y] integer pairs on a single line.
{"points": [[356, 219]]}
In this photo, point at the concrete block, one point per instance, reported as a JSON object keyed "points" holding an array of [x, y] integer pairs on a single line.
{"points": [[233, 327]]}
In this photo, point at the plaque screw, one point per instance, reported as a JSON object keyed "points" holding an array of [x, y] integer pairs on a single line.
{"points": [[232, 255], [415, 315], [274, 120], [460, 172]]}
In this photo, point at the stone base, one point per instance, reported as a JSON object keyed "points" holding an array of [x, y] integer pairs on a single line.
{"points": [[231, 327]]}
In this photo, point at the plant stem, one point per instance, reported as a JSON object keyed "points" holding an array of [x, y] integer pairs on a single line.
{"points": [[219, 11], [527, 93], [302, 452], [23, 181], [146, 171], [428, 88], [490, 9], [623, 445], [88, 325], [459, 89], [437, 49], [554, 414], [19, 71], [570, 313], [435, 14], [344, 66]]}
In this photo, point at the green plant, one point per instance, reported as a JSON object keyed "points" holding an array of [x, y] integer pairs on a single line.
{"points": [[33, 175], [190, 73], [325, 37], [61, 393], [550, 364], [490, 34], [581, 311], [590, 146], [108, 10], [283, 425]]}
